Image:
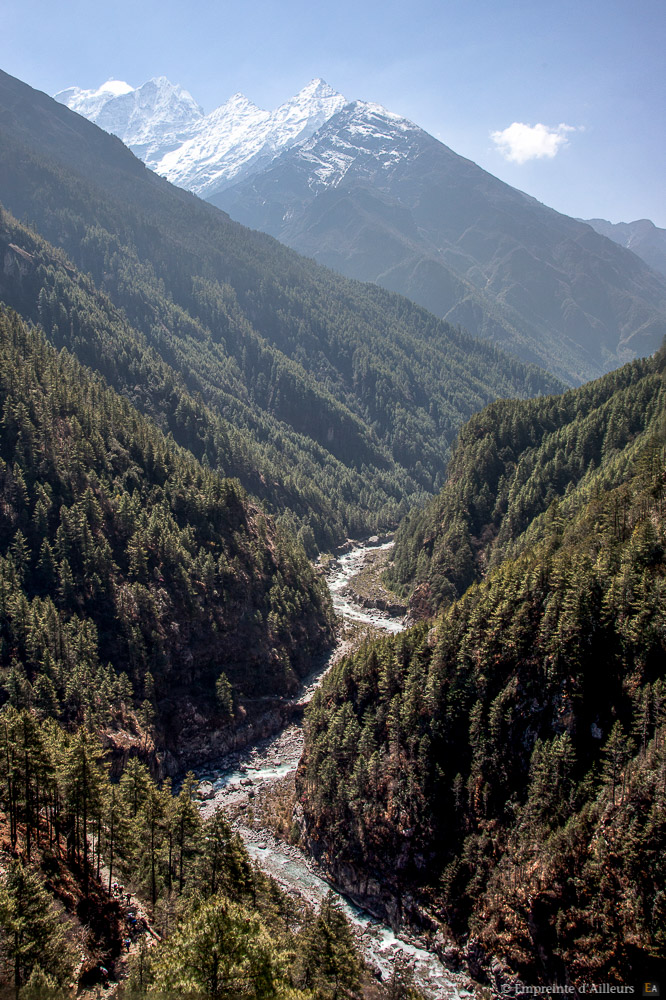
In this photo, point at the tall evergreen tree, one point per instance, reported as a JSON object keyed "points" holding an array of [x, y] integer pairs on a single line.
{"points": [[33, 934]]}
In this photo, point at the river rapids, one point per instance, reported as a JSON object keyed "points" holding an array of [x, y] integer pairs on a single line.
{"points": [[236, 779]]}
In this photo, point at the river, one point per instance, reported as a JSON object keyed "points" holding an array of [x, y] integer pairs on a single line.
{"points": [[236, 779]]}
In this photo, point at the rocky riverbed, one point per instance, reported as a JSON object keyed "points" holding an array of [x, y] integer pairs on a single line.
{"points": [[234, 782], [352, 607]]}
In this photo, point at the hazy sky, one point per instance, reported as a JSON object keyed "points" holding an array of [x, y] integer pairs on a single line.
{"points": [[565, 100]]}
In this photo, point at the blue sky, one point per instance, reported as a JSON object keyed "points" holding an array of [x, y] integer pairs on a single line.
{"points": [[591, 72]]}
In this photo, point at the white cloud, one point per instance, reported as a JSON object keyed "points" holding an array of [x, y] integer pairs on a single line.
{"points": [[115, 88], [519, 142]]}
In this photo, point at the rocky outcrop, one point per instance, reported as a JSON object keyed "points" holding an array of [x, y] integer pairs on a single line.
{"points": [[354, 543], [200, 746], [199, 742], [122, 744], [380, 894], [391, 606]]}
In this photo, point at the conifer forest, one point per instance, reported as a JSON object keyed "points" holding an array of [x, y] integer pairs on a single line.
{"points": [[332, 637]]}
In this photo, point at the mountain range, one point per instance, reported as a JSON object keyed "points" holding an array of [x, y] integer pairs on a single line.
{"points": [[335, 403], [493, 774], [374, 196], [166, 128], [642, 237]]}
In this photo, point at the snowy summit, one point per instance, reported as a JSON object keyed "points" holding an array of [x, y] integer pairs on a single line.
{"points": [[151, 119], [165, 127]]}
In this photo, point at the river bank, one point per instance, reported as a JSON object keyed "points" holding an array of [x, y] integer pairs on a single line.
{"points": [[235, 781]]}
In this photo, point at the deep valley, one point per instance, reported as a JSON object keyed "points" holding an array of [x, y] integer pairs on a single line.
{"points": [[332, 629]]}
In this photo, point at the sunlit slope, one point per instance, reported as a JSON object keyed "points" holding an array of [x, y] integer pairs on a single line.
{"points": [[514, 462], [376, 197], [351, 394]]}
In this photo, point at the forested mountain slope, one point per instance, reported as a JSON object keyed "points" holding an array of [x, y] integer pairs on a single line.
{"points": [[199, 911], [131, 575], [349, 395], [285, 470], [509, 760], [514, 462]]}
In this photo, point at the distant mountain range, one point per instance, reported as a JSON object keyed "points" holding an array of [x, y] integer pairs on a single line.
{"points": [[374, 196], [642, 237], [334, 402], [164, 126]]}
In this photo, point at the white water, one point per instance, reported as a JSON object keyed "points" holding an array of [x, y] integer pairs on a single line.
{"points": [[278, 756], [350, 564]]}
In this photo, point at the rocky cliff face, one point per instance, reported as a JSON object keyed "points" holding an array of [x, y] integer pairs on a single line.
{"points": [[401, 908]]}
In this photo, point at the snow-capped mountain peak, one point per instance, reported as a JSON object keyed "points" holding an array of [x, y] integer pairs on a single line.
{"points": [[362, 135], [237, 107], [164, 125], [90, 102], [238, 138], [315, 90], [238, 100], [150, 119], [303, 114]]}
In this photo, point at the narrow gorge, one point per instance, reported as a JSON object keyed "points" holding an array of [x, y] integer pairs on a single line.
{"points": [[237, 781]]}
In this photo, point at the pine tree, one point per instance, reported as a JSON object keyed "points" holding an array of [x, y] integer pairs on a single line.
{"points": [[327, 957], [225, 695], [34, 935], [153, 817], [82, 779], [221, 949], [222, 864], [187, 824], [616, 753]]}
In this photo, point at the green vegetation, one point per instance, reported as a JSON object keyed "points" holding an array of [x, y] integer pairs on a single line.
{"points": [[217, 927], [332, 401], [509, 760], [129, 574], [35, 947], [513, 462]]}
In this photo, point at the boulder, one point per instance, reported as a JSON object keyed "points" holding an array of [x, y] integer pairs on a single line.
{"points": [[206, 790]]}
